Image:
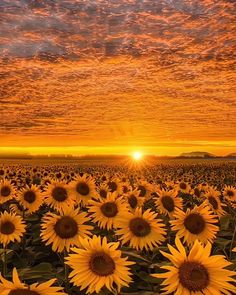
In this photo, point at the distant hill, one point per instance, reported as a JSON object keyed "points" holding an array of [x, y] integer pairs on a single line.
{"points": [[232, 155], [197, 155]]}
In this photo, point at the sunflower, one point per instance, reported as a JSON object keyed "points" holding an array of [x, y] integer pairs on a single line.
{"points": [[140, 230], [197, 223], [196, 273], [183, 187], [63, 231], [2, 172], [58, 195], [16, 287], [12, 228], [133, 199], [30, 198], [7, 191], [84, 188], [105, 211], [115, 185], [213, 199], [103, 190], [98, 264], [168, 201], [229, 193], [145, 189]]}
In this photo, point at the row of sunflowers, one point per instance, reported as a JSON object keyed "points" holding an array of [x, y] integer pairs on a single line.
{"points": [[166, 229]]}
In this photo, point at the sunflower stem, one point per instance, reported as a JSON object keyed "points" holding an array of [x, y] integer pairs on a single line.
{"points": [[233, 240], [4, 262], [66, 272], [23, 238]]}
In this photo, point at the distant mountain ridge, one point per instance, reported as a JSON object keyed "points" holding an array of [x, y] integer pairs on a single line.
{"points": [[197, 155]]}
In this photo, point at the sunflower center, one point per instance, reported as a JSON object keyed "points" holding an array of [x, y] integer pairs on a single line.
{"points": [[230, 193], [103, 193], [82, 188], [142, 190], [102, 264], [168, 203], [59, 194], [5, 191], [29, 196], [193, 276], [194, 223], [23, 292], [7, 228], [109, 209], [213, 202], [139, 227], [1, 172], [197, 192], [133, 202], [66, 227], [125, 189], [112, 186], [183, 185]]}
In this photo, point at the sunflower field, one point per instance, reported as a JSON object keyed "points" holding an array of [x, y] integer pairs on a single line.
{"points": [[110, 229]]}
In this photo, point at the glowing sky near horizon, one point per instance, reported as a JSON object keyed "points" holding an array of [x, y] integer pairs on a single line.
{"points": [[117, 76]]}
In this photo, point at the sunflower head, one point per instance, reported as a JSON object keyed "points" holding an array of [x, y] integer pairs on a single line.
{"points": [[196, 272], [102, 262]]}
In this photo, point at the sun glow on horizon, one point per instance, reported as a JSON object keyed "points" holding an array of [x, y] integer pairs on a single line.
{"points": [[137, 155]]}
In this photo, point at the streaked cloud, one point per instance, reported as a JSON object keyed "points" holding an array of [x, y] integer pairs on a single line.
{"points": [[117, 73]]}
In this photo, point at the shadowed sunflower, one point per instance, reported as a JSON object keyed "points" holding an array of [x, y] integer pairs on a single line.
{"points": [[198, 223], [105, 211], [98, 264], [58, 195], [145, 189], [7, 191], [168, 201], [63, 231], [115, 185], [103, 190], [12, 228], [196, 273], [140, 230], [84, 188], [133, 199], [183, 187], [16, 287], [229, 194], [30, 198], [213, 199]]}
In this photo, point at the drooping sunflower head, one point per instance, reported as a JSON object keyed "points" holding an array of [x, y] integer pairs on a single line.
{"points": [[16, 287], [140, 230], [58, 195], [198, 223], [64, 230], [104, 212], [7, 191], [12, 228], [98, 264], [167, 202], [197, 272], [30, 198]]}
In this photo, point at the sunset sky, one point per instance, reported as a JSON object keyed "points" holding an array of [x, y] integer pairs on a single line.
{"points": [[104, 77]]}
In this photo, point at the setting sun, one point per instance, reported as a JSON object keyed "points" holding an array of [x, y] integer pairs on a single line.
{"points": [[137, 156]]}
